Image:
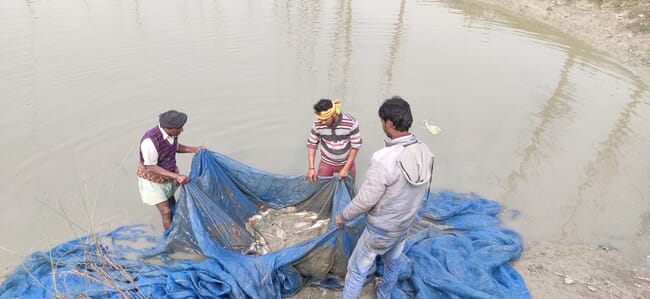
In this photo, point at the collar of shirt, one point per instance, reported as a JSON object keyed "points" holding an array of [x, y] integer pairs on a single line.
{"points": [[399, 140], [166, 136]]}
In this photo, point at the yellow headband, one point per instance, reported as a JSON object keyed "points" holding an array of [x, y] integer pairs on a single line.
{"points": [[336, 109]]}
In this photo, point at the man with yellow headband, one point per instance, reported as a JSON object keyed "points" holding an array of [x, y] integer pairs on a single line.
{"points": [[339, 139]]}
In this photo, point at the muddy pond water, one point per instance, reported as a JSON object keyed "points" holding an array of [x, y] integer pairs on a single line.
{"points": [[557, 133]]}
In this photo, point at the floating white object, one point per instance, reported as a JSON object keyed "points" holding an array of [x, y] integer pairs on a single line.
{"points": [[433, 129]]}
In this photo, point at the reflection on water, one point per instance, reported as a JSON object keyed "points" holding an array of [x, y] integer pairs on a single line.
{"points": [[531, 118], [556, 107], [342, 35], [602, 168], [394, 48], [586, 213]]}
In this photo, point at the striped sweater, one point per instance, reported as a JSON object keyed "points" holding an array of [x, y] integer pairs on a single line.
{"points": [[337, 141]]}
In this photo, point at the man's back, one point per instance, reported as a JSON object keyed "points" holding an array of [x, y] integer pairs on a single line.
{"points": [[395, 185]]}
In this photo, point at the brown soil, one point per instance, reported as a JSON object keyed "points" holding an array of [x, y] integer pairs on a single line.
{"points": [[560, 271], [617, 27]]}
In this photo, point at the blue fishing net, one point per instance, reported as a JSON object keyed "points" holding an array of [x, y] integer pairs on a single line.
{"points": [[456, 249]]}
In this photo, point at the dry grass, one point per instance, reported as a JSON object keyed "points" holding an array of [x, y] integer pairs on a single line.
{"points": [[97, 265], [100, 268]]}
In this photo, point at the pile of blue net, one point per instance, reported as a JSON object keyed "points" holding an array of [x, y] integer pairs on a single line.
{"points": [[457, 249]]}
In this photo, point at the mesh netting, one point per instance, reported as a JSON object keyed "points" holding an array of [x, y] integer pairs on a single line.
{"points": [[456, 249]]}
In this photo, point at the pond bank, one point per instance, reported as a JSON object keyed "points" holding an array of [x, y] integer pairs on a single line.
{"points": [[618, 28], [552, 270]]}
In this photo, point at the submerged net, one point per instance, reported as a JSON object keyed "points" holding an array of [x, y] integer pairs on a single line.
{"points": [[223, 244]]}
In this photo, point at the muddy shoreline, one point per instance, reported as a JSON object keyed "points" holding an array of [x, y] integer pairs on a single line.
{"points": [[621, 29]]}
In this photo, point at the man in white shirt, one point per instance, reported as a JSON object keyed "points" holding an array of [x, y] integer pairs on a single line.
{"points": [[158, 175]]}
